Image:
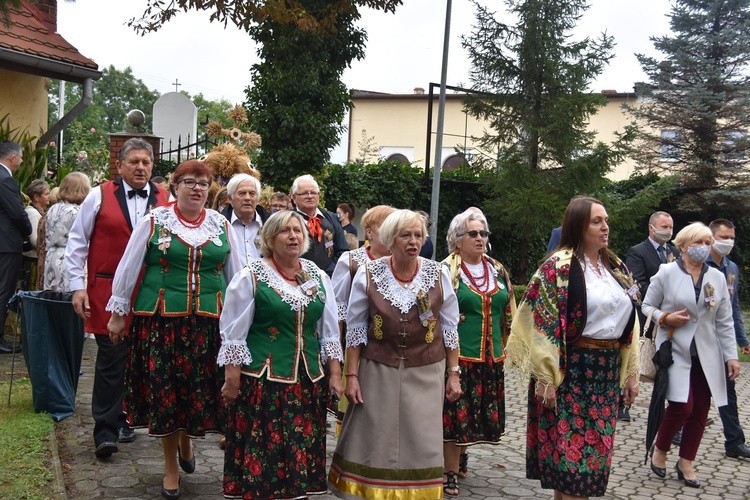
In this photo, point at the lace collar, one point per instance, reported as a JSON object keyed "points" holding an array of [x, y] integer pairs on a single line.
{"points": [[360, 256], [290, 294], [211, 229], [394, 292]]}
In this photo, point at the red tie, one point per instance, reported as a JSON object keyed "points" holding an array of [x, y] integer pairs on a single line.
{"points": [[316, 231]]}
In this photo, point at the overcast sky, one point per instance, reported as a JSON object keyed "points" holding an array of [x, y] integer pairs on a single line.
{"points": [[404, 50]]}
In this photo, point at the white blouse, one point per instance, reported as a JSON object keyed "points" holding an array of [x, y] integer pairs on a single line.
{"points": [[239, 311], [342, 277], [608, 306], [130, 265], [400, 297]]}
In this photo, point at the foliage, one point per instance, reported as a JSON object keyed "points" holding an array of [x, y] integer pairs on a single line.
{"points": [[87, 152], [297, 100], [5, 6], [25, 473], [209, 111], [34, 160], [319, 17], [530, 84], [700, 93]]}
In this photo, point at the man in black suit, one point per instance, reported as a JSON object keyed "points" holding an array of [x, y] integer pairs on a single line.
{"points": [[15, 228], [644, 260], [244, 214]]}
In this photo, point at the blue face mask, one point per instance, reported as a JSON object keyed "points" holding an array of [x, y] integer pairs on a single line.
{"points": [[338, 215], [699, 253]]}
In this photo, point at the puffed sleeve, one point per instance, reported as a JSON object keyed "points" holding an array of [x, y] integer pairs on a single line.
{"points": [[342, 284], [449, 310], [129, 268], [233, 263], [358, 310], [236, 318], [328, 325]]}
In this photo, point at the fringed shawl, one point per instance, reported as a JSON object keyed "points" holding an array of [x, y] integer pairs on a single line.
{"points": [[552, 313]]}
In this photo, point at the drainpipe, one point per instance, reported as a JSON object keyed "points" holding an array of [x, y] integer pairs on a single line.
{"points": [[69, 116]]}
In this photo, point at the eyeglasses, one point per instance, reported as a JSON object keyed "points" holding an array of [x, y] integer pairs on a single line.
{"points": [[278, 207], [191, 183], [309, 193], [474, 234]]}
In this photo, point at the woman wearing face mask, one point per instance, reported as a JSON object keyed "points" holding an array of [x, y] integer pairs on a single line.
{"points": [[691, 300]]}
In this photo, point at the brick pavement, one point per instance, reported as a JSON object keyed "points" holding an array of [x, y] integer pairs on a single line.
{"points": [[496, 472]]}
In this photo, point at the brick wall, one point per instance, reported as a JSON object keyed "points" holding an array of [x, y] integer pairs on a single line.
{"points": [[46, 10], [116, 142]]}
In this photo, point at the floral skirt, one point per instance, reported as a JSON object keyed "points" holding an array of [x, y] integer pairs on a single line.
{"points": [[276, 444], [172, 381], [478, 416], [570, 449]]}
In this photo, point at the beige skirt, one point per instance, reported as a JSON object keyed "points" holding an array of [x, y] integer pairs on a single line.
{"points": [[391, 446]]}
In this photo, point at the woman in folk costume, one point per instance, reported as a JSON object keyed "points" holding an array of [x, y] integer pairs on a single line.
{"points": [[279, 326], [575, 333], [347, 266], [172, 382], [486, 305], [401, 338]]}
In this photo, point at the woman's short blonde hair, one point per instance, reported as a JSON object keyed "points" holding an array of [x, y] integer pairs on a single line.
{"points": [[375, 216], [691, 233], [460, 224], [74, 187], [275, 225], [397, 222]]}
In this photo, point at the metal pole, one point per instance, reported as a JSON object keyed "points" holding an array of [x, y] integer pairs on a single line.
{"points": [[438, 164], [60, 114]]}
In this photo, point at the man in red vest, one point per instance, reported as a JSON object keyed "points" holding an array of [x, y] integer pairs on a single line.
{"points": [[95, 246]]}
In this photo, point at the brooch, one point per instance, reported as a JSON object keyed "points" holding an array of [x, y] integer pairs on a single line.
{"points": [[378, 330], [708, 292], [165, 237]]}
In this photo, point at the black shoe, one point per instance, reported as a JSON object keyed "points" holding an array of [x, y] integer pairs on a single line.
{"points": [[171, 494], [623, 414], [125, 435], [187, 465], [659, 471], [105, 449], [739, 451], [677, 439], [709, 421], [693, 483], [7, 348]]}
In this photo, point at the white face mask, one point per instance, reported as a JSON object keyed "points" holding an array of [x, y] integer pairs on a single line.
{"points": [[723, 247], [662, 235]]}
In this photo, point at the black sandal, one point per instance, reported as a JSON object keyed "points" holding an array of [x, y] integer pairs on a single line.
{"points": [[463, 465], [450, 483]]}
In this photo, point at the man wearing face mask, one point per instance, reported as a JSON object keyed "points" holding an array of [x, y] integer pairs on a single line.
{"points": [[644, 260], [723, 232]]}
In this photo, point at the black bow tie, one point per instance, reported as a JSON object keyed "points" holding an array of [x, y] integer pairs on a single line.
{"points": [[140, 192]]}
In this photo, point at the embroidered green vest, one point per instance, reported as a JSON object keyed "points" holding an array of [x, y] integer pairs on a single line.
{"points": [[480, 322], [280, 337], [167, 284]]}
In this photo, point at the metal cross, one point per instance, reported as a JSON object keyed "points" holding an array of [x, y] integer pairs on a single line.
{"points": [[176, 84]]}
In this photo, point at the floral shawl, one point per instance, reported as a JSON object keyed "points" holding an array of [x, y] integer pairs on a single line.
{"points": [[552, 313]]}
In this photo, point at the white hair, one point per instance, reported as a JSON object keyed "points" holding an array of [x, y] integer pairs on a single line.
{"points": [[460, 224], [238, 179], [302, 178]]}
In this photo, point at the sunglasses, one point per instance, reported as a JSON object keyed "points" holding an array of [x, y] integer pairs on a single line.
{"points": [[474, 234]]}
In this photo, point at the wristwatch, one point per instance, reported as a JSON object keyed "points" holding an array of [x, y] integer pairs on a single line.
{"points": [[456, 369]]}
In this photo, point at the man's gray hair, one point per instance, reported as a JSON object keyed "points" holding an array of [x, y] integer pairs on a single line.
{"points": [[460, 224], [238, 179], [8, 148], [134, 144], [302, 178], [655, 216]]}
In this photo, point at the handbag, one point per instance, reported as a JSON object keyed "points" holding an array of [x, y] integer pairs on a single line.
{"points": [[647, 348]]}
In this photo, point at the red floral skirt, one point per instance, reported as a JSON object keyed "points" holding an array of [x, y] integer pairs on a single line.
{"points": [[478, 416], [276, 443], [570, 449], [172, 381]]}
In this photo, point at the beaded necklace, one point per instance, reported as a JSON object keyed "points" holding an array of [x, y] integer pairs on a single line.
{"points": [[405, 282], [293, 279], [187, 222], [479, 282]]}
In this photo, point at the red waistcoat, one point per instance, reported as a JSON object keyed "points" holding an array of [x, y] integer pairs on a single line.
{"points": [[107, 244]]}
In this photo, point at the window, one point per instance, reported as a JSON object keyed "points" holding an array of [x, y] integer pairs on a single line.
{"points": [[735, 145], [398, 157], [453, 162], [669, 149]]}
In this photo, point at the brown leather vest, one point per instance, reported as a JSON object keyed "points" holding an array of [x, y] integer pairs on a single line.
{"points": [[393, 336]]}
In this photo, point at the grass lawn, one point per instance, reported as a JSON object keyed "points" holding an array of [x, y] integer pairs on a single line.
{"points": [[24, 450]]}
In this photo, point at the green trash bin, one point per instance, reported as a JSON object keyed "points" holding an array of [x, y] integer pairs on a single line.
{"points": [[52, 340]]}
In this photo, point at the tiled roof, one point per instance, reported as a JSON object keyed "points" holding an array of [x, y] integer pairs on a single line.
{"points": [[29, 35]]}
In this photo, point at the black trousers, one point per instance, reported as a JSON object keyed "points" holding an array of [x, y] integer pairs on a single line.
{"points": [[10, 264], [109, 385]]}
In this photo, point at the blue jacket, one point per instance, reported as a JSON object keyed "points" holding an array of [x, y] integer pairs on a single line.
{"points": [[729, 268]]}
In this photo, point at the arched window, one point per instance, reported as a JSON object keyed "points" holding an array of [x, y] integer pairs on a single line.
{"points": [[453, 162], [398, 157]]}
